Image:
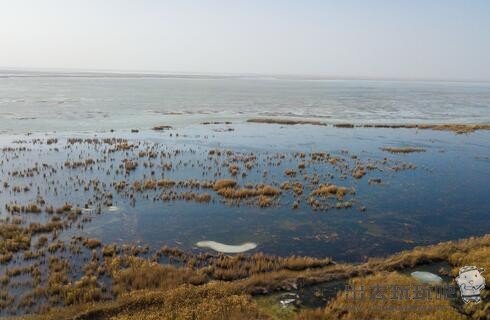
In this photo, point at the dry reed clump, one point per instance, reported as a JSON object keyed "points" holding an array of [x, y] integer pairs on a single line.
{"points": [[91, 243], [81, 291], [187, 196], [264, 201], [13, 238], [36, 228], [110, 250], [130, 165], [6, 300], [298, 188], [16, 208], [242, 193], [203, 197], [161, 128], [64, 208], [56, 246], [165, 183], [120, 185], [402, 149], [150, 184], [241, 266], [41, 242], [143, 274], [233, 169], [285, 186], [358, 172], [331, 189], [249, 165], [213, 301], [224, 183]]}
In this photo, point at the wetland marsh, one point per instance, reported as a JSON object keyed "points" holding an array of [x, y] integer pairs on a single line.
{"points": [[229, 207]]}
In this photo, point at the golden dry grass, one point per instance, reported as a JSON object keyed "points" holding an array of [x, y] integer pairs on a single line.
{"points": [[224, 183], [213, 301], [400, 309], [153, 291]]}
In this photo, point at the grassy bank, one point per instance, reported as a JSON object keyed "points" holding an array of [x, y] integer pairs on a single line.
{"points": [[225, 287]]}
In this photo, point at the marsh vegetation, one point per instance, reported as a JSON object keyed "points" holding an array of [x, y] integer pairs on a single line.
{"points": [[63, 252]]}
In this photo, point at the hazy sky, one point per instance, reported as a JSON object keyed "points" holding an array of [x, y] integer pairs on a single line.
{"points": [[438, 39]]}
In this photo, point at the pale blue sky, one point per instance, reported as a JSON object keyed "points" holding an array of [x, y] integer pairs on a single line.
{"points": [[378, 39]]}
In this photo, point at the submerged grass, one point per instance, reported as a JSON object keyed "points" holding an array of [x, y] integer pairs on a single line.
{"points": [[402, 149]]}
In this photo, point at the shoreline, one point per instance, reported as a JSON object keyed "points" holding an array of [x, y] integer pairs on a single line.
{"points": [[456, 127], [150, 301]]}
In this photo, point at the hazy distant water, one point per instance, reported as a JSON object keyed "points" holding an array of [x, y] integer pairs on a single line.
{"points": [[87, 102]]}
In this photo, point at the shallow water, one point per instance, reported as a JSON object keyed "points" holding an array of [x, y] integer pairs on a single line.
{"points": [[445, 197], [46, 102]]}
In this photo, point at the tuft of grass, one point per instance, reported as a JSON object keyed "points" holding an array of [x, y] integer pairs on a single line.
{"points": [[264, 201], [161, 128], [358, 172], [242, 193], [91, 243], [224, 183], [331, 189], [130, 165]]}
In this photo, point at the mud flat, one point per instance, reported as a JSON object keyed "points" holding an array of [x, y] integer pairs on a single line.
{"points": [[458, 128], [286, 121]]}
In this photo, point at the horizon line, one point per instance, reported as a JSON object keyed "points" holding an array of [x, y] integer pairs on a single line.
{"points": [[73, 72]]}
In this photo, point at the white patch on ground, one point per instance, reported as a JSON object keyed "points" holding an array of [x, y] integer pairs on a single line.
{"points": [[426, 277], [112, 208], [226, 248]]}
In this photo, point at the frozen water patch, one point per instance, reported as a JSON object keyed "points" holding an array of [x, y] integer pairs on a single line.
{"points": [[426, 277], [226, 248]]}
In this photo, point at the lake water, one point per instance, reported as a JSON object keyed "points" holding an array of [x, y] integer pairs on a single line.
{"points": [[64, 102], [443, 196]]}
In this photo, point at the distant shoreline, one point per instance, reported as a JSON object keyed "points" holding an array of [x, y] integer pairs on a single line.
{"points": [[6, 72]]}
